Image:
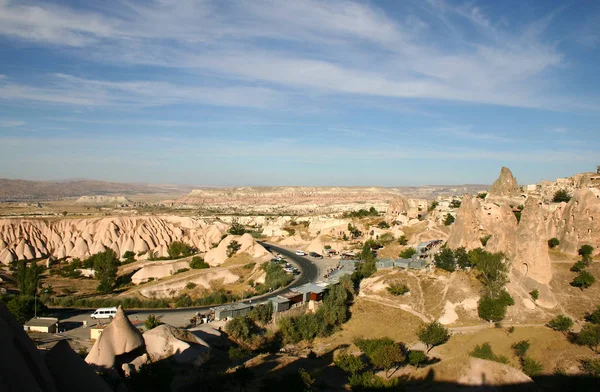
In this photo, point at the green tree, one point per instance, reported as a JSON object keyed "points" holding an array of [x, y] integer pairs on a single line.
{"points": [[233, 247], [594, 317], [484, 240], [445, 260], [385, 357], [455, 203], [408, 253], [236, 228], [178, 249], [383, 225], [349, 363], [449, 220], [583, 280], [531, 367], [561, 323], [561, 195], [105, 267], [416, 357], [493, 270], [262, 313], [591, 366], [535, 294], [586, 252], [354, 231], [198, 263], [433, 334], [589, 336], [129, 257], [403, 240], [578, 266], [240, 328], [152, 322], [433, 206], [398, 289], [484, 351], [520, 348], [462, 258], [494, 309], [28, 277], [22, 307], [553, 242], [482, 195]]}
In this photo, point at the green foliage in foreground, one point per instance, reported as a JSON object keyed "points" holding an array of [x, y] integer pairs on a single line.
{"points": [[152, 322], [531, 367], [594, 317], [561, 323], [179, 249], [398, 289], [493, 309], [408, 253], [553, 242], [416, 357], [198, 263], [589, 336], [520, 348], [484, 351], [583, 280], [433, 334], [591, 366], [349, 363]]}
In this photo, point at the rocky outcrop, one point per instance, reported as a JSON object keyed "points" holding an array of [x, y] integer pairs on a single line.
{"points": [[117, 340], [34, 238], [577, 223], [158, 271], [218, 255], [102, 200], [22, 367], [505, 186], [477, 219], [531, 256], [182, 346]]}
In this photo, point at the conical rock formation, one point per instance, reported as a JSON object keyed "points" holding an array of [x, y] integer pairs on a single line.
{"points": [[120, 337], [505, 186]]}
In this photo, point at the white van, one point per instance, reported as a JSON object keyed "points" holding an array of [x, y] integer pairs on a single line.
{"points": [[300, 253], [104, 313]]}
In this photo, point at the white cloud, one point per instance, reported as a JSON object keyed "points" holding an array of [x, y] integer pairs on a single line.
{"points": [[68, 89], [337, 47]]}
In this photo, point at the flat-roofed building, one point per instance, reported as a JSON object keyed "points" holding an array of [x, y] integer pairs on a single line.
{"points": [[42, 324], [280, 304], [231, 310]]}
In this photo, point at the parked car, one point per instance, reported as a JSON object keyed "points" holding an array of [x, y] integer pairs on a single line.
{"points": [[300, 253], [104, 313], [315, 255]]}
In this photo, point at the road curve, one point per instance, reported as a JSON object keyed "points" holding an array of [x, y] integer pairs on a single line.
{"points": [[309, 273]]}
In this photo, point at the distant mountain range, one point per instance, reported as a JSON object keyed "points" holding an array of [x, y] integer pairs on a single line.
{"points": [[24, 190]]}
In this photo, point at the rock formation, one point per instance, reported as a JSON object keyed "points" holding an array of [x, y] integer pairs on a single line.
{"points": [[202, 278], [577, 223], [34, 238], [505, 186], [531, 250], [218, 255], [102, 200], [182, 346], [116, 341], [22, 367], [158, 271], [477, 219]]}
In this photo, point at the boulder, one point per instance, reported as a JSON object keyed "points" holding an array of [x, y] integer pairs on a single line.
{"points": [[180, 345]]}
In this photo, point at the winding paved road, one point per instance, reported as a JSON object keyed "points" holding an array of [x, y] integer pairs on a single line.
{"points": [[180, 316]]}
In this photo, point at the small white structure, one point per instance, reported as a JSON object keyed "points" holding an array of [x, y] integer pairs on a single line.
{"points": [[42, 324]]}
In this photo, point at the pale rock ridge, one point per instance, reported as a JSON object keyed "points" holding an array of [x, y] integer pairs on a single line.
{"points": [[577, 222], [218, 255], [477, 219], [173, 287], [120, 337], [505, 186], [102, 200], [158, 271], [531, 256], [34, 238]]}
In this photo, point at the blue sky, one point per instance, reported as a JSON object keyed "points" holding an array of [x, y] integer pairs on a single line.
{"points": [[254, 92]]}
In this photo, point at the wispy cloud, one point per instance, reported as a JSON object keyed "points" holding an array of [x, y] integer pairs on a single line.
{"points": [[10, 123], [263, 43]]}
